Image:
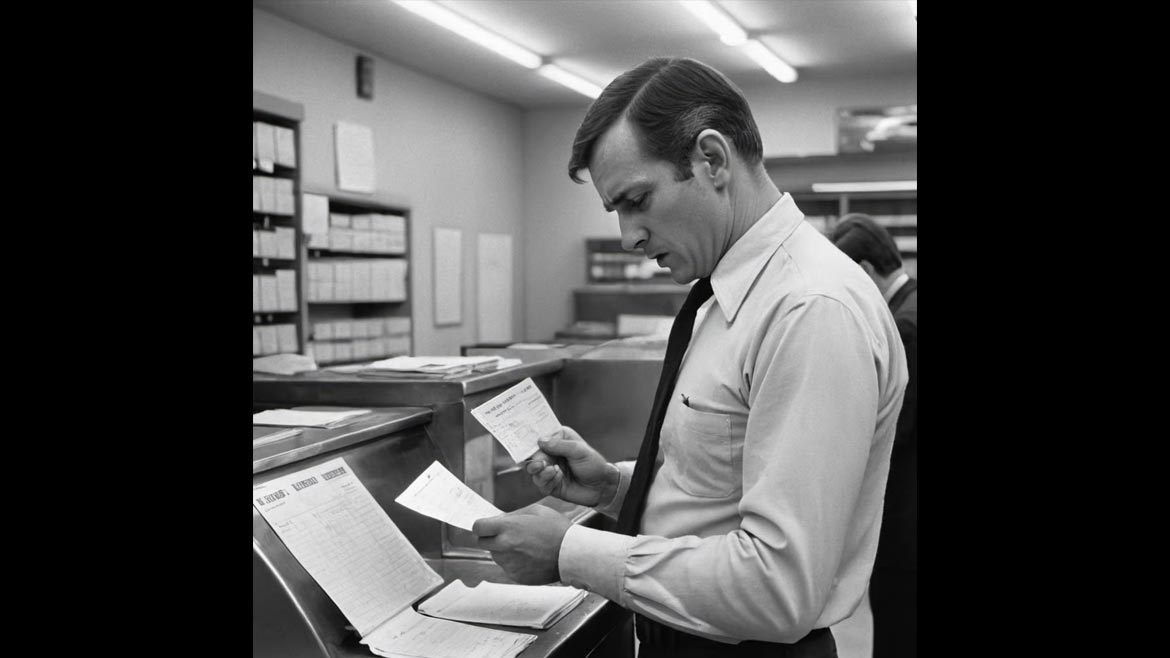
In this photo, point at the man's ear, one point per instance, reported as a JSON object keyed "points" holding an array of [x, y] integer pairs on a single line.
{"points": [[868, 267], [712, 157]]}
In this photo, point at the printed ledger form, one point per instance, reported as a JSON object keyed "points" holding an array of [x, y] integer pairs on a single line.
{"points": [[333, 526]]}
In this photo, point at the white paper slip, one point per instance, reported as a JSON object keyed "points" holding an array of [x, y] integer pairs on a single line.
{"points": [[531, 606], [517, 418], [440, 495], [411, 635], [295, 418], [264, 437], [344, 539]]}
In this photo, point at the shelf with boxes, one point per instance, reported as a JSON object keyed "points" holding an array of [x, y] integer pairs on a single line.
{"points": [[881, 185], [277, 316], [607, 262], [358, 282]]}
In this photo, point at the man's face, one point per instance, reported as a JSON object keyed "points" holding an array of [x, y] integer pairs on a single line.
{"points": [[683, 225]]}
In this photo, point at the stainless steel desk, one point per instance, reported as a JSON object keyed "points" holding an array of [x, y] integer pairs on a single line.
{"points": [[292, 617]]}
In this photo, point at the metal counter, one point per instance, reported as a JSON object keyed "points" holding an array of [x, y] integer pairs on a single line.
{"points": [[470, 451], [292, 617]]}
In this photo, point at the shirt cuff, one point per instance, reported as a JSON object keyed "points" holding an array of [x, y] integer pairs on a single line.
{"points": [[614, 506], [594, 560]]}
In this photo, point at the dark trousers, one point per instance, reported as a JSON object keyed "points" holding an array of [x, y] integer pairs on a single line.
{"points": [[893, 596], [658, 641]]}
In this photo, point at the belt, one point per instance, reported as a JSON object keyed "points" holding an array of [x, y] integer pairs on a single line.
{"points": [[818, 642]]}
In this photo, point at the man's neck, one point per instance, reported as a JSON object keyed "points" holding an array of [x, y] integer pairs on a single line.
{"points": [[750, 201]]}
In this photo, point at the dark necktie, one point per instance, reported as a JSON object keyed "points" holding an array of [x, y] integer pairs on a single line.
{"points": [[680, 335]]}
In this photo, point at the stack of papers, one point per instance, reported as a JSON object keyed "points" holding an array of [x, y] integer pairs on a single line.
{"points": [[284, 364], [344, 539], [438, 367], [507, 605], [297, 418]]}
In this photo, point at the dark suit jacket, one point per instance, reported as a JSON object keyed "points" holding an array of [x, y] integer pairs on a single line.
{"points": [[898, 545]]}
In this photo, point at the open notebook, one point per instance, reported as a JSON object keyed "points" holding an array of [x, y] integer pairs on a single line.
{"points": [[333, 526]]}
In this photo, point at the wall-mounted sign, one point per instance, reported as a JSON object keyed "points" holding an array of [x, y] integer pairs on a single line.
{"points": [[877, 129]]}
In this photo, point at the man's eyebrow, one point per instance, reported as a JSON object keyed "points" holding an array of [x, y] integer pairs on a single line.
{"points": [[617, 201], [621, 197]]}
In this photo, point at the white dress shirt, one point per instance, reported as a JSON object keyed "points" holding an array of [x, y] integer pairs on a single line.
{"points": [[895, 287], [762, 519]]}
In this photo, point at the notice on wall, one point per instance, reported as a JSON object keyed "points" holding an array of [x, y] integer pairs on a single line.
{"points": [[494, 293], [354, 147], [448, 276]]}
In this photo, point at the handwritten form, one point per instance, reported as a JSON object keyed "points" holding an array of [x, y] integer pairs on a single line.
{"points": [[440, 495], [517, 418], [344, 539]]}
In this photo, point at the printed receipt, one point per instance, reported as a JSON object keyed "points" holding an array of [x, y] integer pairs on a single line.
{"points": [[517, 418], [440, 495]]}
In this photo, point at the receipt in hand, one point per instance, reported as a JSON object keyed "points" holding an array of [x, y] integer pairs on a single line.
{"points": [[440, 495], [517, 418]]}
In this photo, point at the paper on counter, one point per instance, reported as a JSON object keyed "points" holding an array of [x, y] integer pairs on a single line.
{"points": [[518, 417], [296, 418], [410, 634], [440, 495], [532, 606]]}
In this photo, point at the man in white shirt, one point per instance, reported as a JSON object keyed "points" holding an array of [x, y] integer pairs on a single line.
{"points": [[761, 521]]}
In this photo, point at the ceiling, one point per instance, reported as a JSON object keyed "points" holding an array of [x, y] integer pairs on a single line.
{"points": [[599, 39]]}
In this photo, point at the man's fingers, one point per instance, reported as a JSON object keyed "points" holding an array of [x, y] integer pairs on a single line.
{"points": [[489, 526], [563, 448]]}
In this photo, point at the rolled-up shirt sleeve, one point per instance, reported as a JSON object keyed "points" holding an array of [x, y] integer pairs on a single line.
{"points": [[813, 401]]}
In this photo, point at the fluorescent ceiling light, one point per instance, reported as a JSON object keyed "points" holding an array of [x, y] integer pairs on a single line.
{"points": [[768, 61], [729, 32], [579, 85], [733, 35], [446, 18], [880, 186]]}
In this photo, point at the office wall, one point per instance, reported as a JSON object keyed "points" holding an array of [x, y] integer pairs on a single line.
{"points": [[454, 156], [559, 215]]}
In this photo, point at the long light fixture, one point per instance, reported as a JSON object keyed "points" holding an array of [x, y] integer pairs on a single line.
{"points": [[440, 15], [732, 34], [768, 61], [875, 186], [728, 30], [577, 84], [446, 18]]}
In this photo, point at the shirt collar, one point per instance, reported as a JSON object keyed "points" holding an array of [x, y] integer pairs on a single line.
{"points": [[743, 262], [895, 286]]}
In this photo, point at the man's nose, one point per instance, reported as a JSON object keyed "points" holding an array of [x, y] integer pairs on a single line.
{"points": [[633, 237]]}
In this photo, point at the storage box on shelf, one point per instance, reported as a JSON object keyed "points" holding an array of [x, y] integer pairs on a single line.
{"points": [[359, 282], [278, 323]]}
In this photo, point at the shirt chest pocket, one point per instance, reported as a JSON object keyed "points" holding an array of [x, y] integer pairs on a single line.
{"points": [[708, 457]]}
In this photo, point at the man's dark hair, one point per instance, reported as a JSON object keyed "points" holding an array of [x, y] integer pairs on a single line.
{"points": [[670, 100], [861, 238]]}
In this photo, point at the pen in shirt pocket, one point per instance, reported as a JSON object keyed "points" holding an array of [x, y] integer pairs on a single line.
{"points": [[685, 400]]}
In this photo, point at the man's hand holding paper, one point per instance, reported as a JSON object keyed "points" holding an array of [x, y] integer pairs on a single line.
{"points": [[525, 543], [587, 478]]}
